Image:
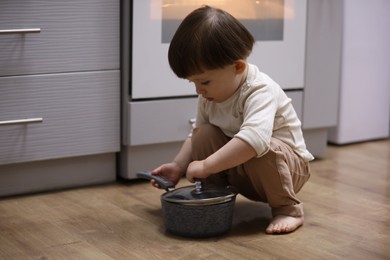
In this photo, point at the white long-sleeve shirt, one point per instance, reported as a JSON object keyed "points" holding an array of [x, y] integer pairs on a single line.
{"points": [[257, 111]]}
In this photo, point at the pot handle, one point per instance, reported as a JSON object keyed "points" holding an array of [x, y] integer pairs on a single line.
{"points": [[161, 181]]}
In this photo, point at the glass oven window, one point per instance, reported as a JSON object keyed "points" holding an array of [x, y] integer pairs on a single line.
{"points": [[263, 18]]}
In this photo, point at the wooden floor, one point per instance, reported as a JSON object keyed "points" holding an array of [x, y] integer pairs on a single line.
{"points": [[347, 205]]}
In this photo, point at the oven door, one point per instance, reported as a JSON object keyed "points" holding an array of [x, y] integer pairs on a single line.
{"points": [[279, 27]]}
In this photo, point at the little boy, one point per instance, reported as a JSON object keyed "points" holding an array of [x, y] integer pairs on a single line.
{"points": [[247, 133]]}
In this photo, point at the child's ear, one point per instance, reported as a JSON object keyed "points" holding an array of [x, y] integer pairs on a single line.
{"points": [[240, 66]]}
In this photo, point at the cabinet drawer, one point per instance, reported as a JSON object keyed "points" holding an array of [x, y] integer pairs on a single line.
{"points": [[74, 36], [151, 122], [160, 121], [80, 113]]}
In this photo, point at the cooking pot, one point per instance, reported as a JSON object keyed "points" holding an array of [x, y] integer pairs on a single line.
{"points": [[199, 210]]}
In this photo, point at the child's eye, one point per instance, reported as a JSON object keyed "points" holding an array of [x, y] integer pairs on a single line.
{"points": [[205, 82]]}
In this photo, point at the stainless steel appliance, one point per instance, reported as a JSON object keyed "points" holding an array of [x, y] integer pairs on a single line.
{"points": [[157, 106]]}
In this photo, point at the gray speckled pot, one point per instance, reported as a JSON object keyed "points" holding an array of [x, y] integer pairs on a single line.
{"points": [[198, 220]]}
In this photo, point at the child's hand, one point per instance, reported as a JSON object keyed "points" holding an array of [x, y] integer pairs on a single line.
{"points": [[196, 170], [170, 171]]}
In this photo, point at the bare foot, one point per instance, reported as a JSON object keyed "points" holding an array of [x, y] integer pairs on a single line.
{"points": [[284, 224]]}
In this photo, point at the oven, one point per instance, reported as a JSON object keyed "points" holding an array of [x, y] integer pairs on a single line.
{"points": [[157, 106], [277, 25]]}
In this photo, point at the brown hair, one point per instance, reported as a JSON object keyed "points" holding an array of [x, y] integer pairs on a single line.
{"points": [[208, 38]]}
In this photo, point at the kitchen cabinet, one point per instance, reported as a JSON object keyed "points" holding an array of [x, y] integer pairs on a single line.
{"points": [[53, 36], [170, 124], [71, 125], [157, 107], [365, 79], [59, 94]]}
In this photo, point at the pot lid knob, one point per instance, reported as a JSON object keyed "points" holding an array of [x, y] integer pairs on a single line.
{"points": [[198, 186]]}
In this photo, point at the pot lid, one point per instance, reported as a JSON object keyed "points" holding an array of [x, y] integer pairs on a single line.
{"points": [[198, 194], [206, 195]]}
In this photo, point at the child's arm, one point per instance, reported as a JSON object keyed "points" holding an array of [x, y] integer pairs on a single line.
{"points": [[183, 158], [232, 154]]}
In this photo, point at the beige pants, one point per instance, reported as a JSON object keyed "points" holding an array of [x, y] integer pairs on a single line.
{"points": [[274, 178]]}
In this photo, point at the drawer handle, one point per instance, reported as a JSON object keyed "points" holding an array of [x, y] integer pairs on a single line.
{"points": [[20, 31], [22, 121]]}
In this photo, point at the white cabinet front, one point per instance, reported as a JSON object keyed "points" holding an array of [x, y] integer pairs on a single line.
{"points": [[58, 115], [160, 121], [58, 36]]}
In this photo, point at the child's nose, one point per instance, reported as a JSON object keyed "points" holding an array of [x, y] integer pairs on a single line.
{"points": [[199, 90]]}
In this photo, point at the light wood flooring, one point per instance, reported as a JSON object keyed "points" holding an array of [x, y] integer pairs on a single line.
{"points": [[347, 205]]}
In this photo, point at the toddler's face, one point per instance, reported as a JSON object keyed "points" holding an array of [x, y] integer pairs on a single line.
{"points": [[218, 85]]}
